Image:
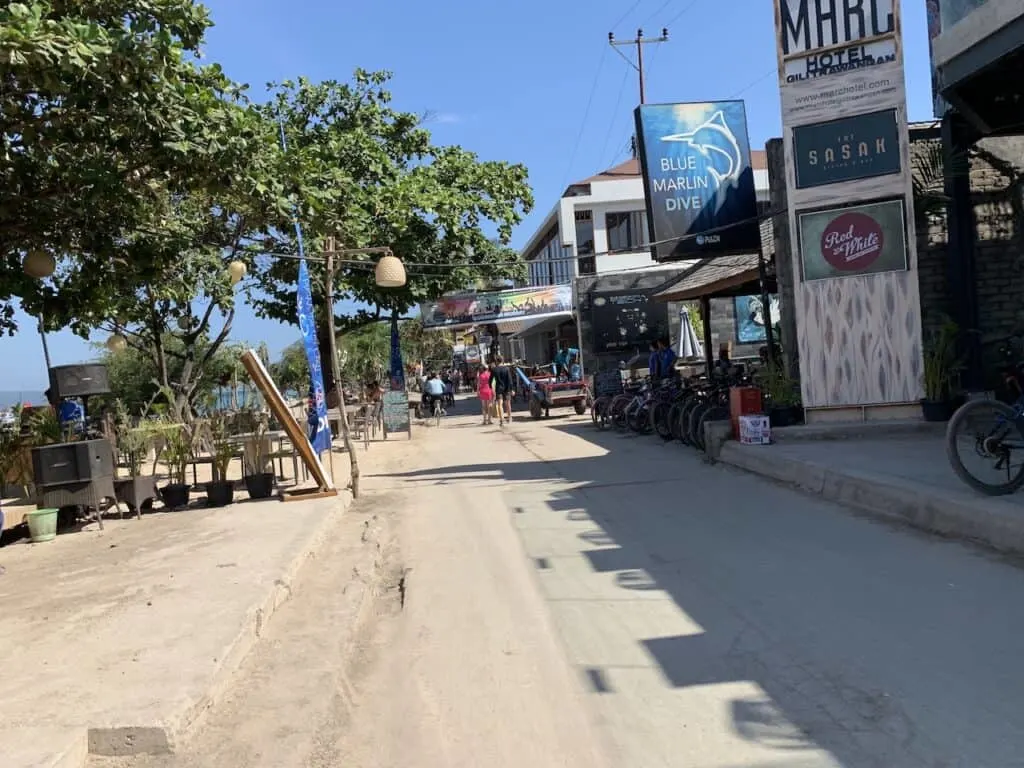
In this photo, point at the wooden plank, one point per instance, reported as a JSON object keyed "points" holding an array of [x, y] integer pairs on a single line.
{"points": [[307, 494], [296, 434]]}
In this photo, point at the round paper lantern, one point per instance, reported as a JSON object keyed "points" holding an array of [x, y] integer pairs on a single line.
{"points": [[390, 272], [236, 271], [117, 343], [39, 264]]}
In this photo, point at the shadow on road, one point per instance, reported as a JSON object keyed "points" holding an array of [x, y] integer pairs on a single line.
{"points": [[878, 646]]}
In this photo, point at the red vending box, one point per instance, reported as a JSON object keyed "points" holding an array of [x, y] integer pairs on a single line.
{"points": [[743, 401]]}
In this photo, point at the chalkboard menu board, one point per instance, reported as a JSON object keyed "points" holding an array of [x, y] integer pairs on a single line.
{"points": [[608, 383], [396, 412]]}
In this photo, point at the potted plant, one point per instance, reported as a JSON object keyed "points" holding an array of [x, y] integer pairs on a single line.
{"points": [[781, 396], [941, 372], [177, 453], [257, 470], [132, 444], [220, 491]]}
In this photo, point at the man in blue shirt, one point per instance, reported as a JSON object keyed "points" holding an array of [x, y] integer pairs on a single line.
{"points": [[654, 362], [564, 359], [666, 358], [433, 389]]}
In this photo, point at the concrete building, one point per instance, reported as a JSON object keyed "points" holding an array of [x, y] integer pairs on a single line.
{"points": [[978, 61], [594, 235]]}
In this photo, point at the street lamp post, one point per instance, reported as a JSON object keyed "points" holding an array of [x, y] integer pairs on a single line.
{"points": [[39, 265], [389, 273]]}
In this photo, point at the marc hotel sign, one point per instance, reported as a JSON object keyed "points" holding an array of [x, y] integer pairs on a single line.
{"points": [[825, 37]]}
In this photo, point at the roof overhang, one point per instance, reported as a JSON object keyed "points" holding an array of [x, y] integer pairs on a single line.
{"points": [[721, 277]]}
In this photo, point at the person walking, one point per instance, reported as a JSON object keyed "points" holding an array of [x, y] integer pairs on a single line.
{"points": [[485, 393], [504, 388]]}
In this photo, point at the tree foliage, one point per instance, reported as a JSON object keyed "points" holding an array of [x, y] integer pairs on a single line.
{"points": [[106, 115], [368, 174]]}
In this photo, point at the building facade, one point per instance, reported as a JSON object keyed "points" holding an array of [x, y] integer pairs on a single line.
{"points": [[598, 229]]}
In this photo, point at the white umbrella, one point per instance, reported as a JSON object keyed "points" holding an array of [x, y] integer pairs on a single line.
{"points": [[689, 346]]}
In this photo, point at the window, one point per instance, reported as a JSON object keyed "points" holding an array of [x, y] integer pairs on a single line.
{"points": [[588, 265], [627, 231], [584, 233]]}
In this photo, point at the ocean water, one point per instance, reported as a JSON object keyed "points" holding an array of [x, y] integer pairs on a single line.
{"points": [[9, 397]]}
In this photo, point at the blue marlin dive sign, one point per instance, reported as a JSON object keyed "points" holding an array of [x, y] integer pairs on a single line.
{"points": [[698, 179]]}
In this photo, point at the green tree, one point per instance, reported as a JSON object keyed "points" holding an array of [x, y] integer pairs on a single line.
{"points": [[361, 171], [135, 380], [106, 114], [291, 372]]}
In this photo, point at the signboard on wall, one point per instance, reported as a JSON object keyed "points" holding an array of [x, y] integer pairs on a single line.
{"points": [[627, 320], [471, 309], [856, 147], [750, 317], [853, 240], [695, 161]]}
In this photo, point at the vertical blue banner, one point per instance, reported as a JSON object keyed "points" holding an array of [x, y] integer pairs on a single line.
{"points": [[397, 374], [319, 429]]}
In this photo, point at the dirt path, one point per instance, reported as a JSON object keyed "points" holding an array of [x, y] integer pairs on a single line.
{"points": [[455, 662]]}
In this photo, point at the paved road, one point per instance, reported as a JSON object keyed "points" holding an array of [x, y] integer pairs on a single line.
{"points": [[709, 619]]}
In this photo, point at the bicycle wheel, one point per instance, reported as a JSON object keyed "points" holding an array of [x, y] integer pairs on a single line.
{"points": [[595, 410], [684, 418], [695, 435], [660, 420], [437, 414], [673, 420], [640, 420], [991, 431]]}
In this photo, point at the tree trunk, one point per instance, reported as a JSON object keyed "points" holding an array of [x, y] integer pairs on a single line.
{"points": [[336, 375], [323, 341]]}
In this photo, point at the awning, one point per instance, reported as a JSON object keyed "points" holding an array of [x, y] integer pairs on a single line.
{"points": [[715, 278], [526, 325]]}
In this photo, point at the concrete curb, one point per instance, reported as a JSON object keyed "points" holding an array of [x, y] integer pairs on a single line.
{"points": [[994, 523], [160, 738]]}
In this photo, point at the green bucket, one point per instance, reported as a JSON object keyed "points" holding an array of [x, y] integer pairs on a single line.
{"points": [[42, 525]]}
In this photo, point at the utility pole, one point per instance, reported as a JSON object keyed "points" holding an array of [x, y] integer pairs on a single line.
{"points": [[639, 41], [346, 435]]}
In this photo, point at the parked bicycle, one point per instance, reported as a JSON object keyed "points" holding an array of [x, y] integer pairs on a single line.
{"points": [[990, 431]]}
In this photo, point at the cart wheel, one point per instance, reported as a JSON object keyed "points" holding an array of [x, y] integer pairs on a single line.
{"points": [[580, 406], [535, 408]]}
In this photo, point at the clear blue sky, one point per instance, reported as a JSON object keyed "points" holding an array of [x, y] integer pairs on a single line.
{"points": [[508, 81]]}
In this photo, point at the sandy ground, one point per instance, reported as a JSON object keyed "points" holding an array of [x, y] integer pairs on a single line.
{"points": [[549, 595]]}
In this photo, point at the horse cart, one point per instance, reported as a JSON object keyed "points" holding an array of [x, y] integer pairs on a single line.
{"points": [[547, 392]]}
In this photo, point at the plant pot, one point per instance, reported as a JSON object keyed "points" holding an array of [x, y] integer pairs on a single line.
{"points": [[784, 415], [260, 486], [175, 495], [937, 410], [42, 525], [220, 493], [136, 491]]}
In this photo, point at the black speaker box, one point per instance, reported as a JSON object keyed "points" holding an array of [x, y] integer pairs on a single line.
{"points": [[79, 380], [77, 462]]}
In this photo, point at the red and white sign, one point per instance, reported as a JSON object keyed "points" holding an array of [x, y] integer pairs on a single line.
{"points": [[852, 242]]}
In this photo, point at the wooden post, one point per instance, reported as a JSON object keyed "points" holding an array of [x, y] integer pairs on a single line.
{"points": [[705, 315], [335, 370]]}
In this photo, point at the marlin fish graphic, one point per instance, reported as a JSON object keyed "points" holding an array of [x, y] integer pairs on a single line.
{"points": [[714, 141]]}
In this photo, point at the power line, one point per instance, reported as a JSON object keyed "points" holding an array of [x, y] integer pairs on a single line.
{"points": [[626, 14], [661, 8], [682, 12], [583, 123], [747, 87], [615, 111]]}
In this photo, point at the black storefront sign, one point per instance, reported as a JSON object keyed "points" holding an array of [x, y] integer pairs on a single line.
{"points": [[850, 148], [624, 321]]}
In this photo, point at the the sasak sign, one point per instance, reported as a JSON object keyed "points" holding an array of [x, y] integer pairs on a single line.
{"points": [[849, 148], [698, 180]]}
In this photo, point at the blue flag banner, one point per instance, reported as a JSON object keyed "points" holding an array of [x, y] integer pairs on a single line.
{"points": [[397, 367], [319, 429]]}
